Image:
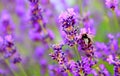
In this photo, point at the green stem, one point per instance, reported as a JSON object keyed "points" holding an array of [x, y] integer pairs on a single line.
{"points": [[116, 21], [37, 69], [50, 51], [80, 6], [47, 74], [21, 69], [76, 53], [14, 73], [69, 74]]}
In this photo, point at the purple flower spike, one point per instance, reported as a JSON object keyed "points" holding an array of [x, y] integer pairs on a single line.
{"points": [[113, 43], [88, 22], [110, 59], [17, 60], [110, 36], [59, 56], [103, 71], [7, 47], [38, 31], [7, 27], [33, 2], [114, 60], [57, 47], [112, 4], [9, 38], [68, 20], [83, 67]]}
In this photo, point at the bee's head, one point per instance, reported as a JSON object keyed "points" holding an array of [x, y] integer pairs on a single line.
{"points": [[84, 36]]}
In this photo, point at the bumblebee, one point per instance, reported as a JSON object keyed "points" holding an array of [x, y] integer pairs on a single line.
{"points": [[86, 41]]}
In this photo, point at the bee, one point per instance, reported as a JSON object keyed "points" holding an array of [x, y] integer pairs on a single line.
{"points": [[86, 41]]}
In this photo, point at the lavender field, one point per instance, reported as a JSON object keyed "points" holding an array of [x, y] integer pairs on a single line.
{"points": [[59, 37]]}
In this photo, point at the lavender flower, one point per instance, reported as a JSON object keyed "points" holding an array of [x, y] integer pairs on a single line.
{"points": [[38, 31], [9, 46], [9, 50], [112, 4], [112, 47], [113, 43], [7, 27], [55, 71], [100, 71], [77, 55], [34, 1], [103, 70], [114, 60], [67, 20], [44, 66], [83, 67], [88, 22], [16, 59], [58, 55], [64, 64], [101, 49], [61, 58]]}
